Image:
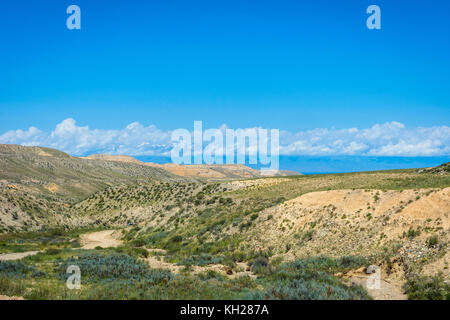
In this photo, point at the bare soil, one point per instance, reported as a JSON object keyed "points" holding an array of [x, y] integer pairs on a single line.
{"points": [[103, 239], [17, 256]]}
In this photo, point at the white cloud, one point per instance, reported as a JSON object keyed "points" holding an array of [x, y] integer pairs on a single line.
{"points": [[388, 139], [135, 139], [32, 136]]}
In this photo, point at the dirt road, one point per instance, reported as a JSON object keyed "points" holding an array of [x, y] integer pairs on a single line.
{"points": [[17, 255], [104, 239]]}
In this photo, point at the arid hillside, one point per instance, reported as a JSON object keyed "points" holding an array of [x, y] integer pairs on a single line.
{"points": [[38, 185], [396, 220], [50, 170], [210, 172]]}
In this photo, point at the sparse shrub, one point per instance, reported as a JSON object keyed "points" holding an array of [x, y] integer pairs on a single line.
{"points": [[75, 243], [308, 235], [211, 274], [203, 259], [176, 239], [245, 225], [260, 265], [432, 241], [288, 247], [226, 201], [412, 233], [52, 251], [281, 200], [155, 238], [141, 252], [376, 197], [138, 243], [239, 256], [351, 262]]}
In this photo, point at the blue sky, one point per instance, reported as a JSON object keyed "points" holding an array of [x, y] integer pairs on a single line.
{"points": [[291, 65], [295, 65]]}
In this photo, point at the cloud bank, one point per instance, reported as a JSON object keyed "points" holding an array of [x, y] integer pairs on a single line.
{"points": [[388, 139]]}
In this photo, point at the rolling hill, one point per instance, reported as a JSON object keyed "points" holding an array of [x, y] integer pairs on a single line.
{"points": [[230, 218], [205, 171]]}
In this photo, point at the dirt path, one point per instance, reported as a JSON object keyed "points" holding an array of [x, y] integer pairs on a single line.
{"points": [[389, 289], [2, 297], [103, 239], [17, 255]]}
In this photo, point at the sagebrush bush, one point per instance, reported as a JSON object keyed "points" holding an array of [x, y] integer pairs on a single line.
{"points": [[18, 269], [260, 265], [141, 252], [202, 259], [181, 288], [311, 289], [138, 243], [427, 288], [306, 279], [95, 267], [211, 274], [52, 251], [432, 241]]}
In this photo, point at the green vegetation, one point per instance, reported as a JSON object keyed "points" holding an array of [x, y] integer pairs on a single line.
{"points": [[17, 269], [427, 288], [312, 279], [97, 266], [413, 233], [50, 240], [107, 274], [432, 241]]}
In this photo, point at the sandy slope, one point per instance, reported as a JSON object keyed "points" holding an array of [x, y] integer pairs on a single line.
{"points": [[344, 220], [104, 239]]}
